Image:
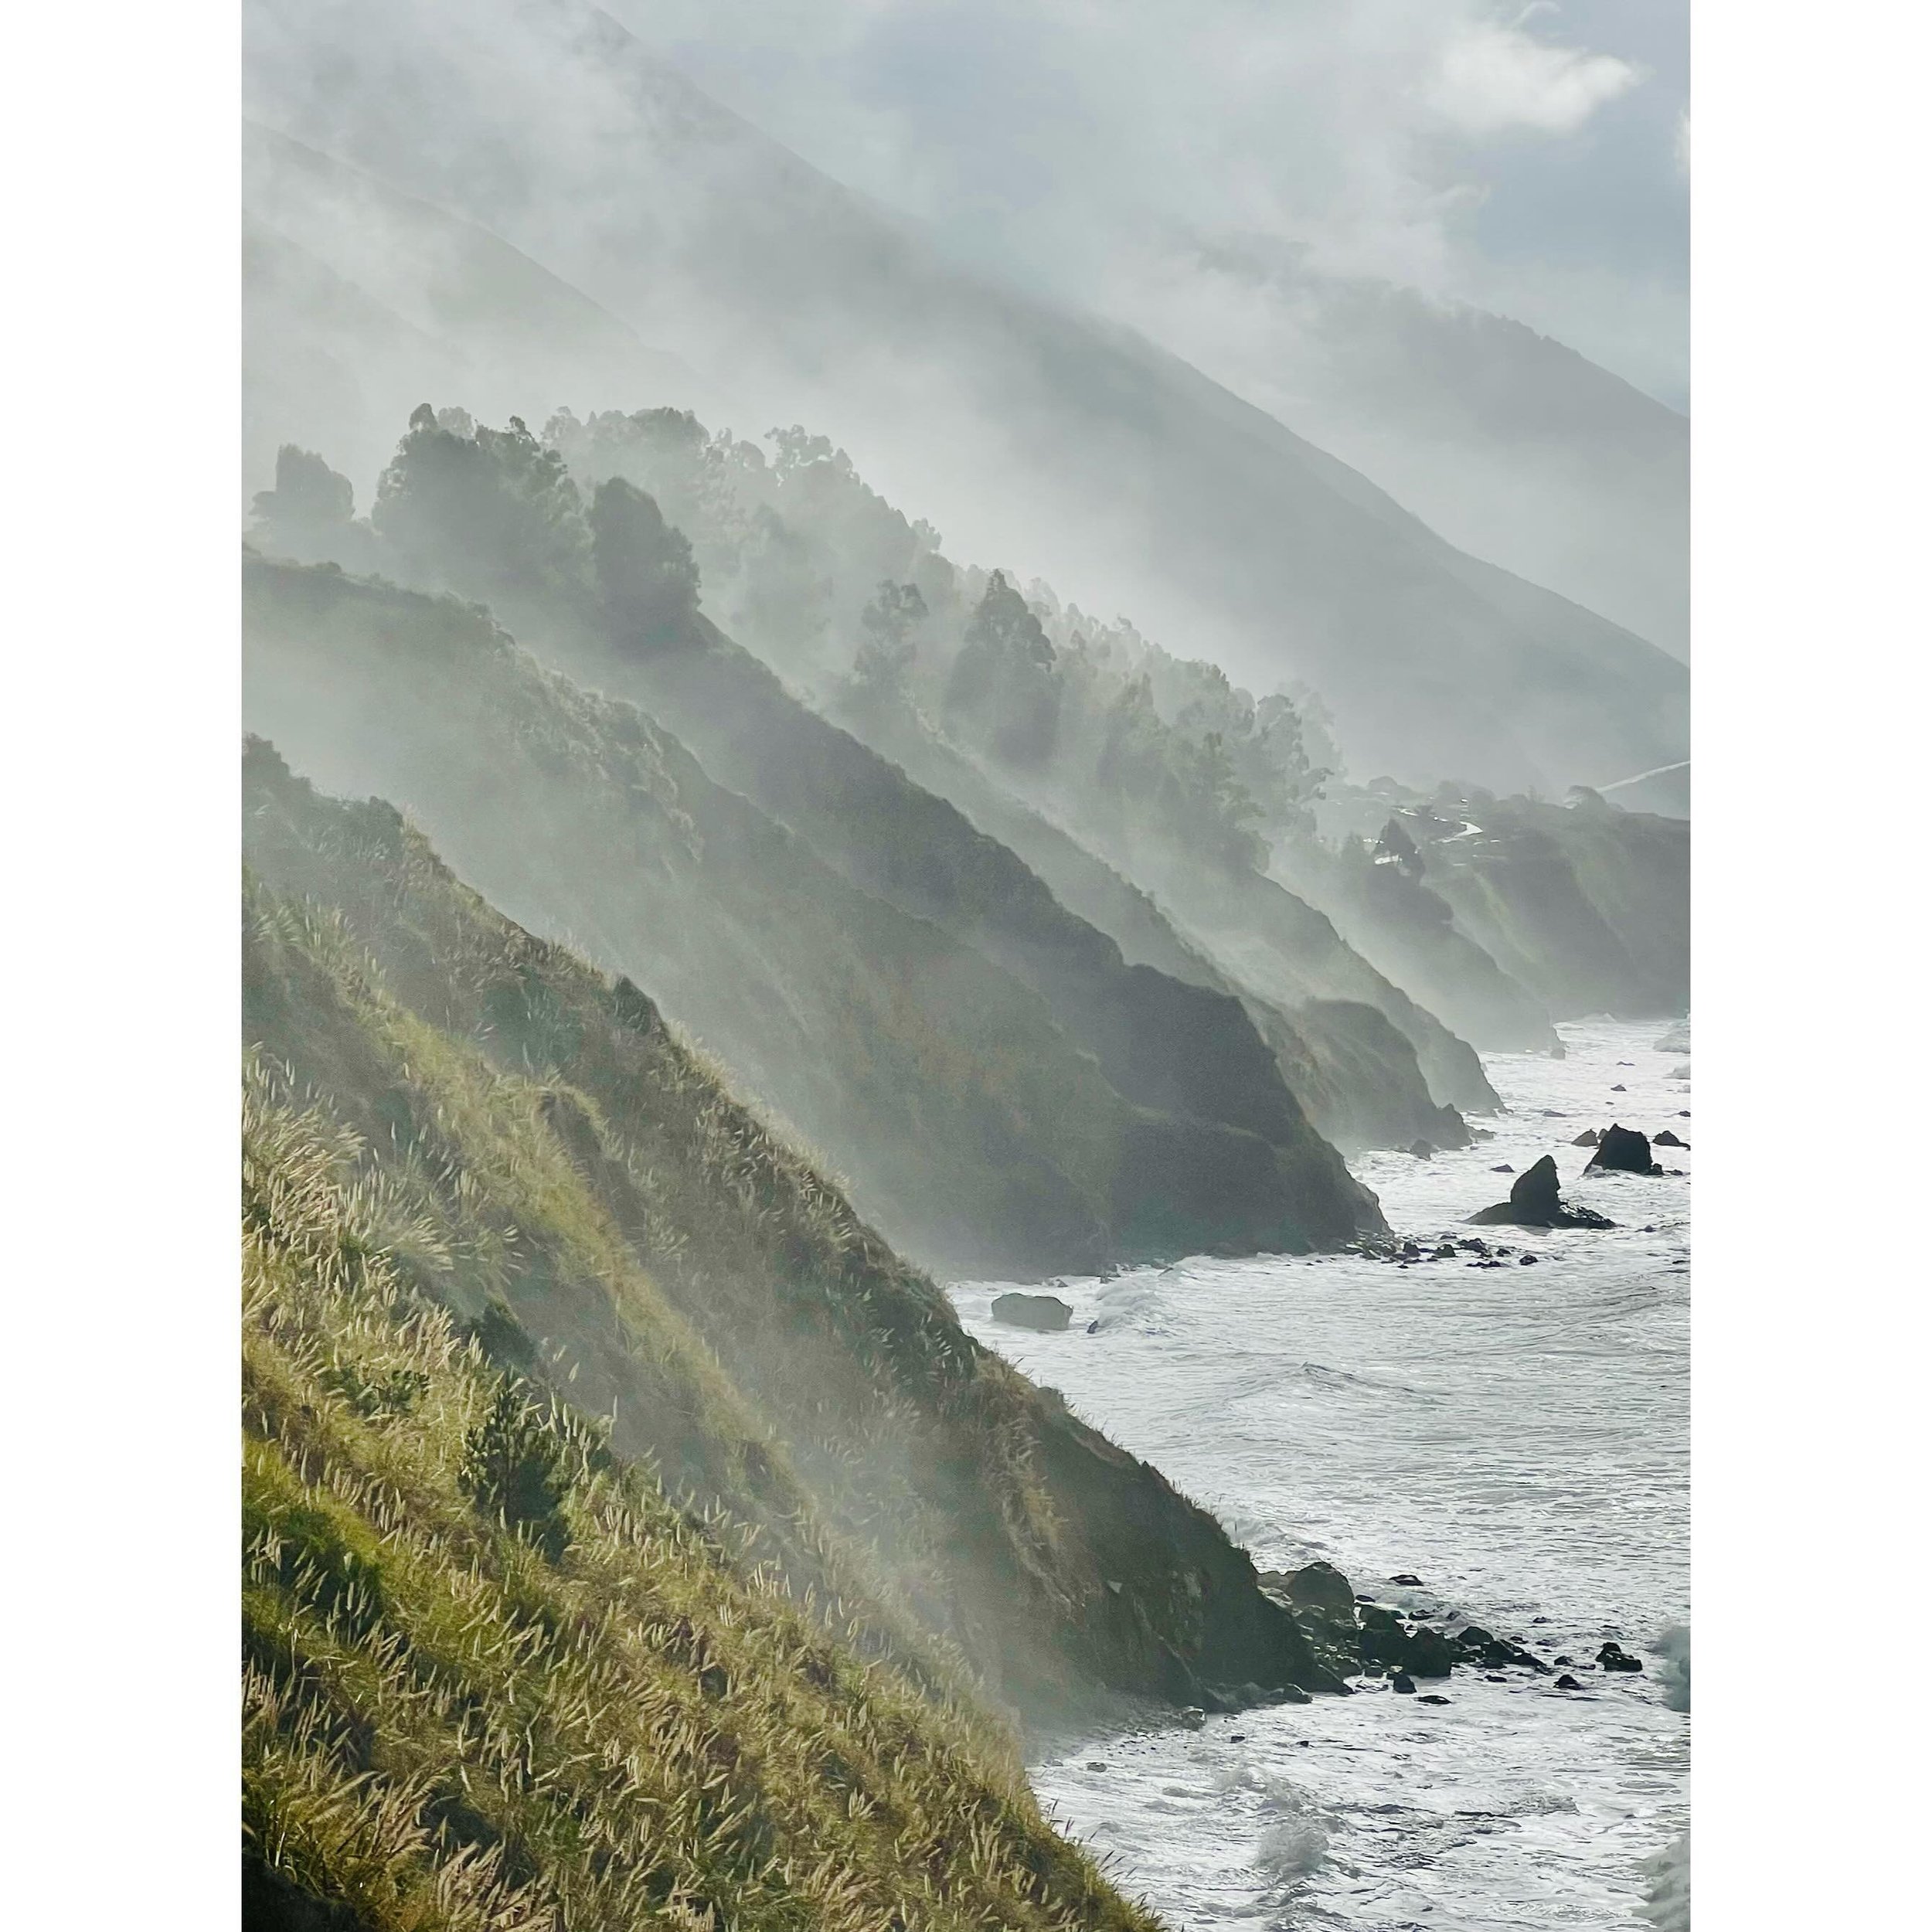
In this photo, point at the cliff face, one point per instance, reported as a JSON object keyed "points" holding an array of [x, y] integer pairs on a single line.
{"points": [[574, 1186], [1354, 1074], [1585, 905], [1164, 1040], [975, 1127]]}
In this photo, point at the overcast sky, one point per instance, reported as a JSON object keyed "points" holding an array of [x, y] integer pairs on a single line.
{"points": [[1531, 160]]}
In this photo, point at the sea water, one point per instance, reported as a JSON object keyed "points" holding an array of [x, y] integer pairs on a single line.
{"points": [[1515, 1438]]}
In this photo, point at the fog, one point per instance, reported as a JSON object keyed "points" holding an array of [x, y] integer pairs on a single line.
{"points": [[557, 218]]}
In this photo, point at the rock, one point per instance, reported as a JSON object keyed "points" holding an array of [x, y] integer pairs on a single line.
{"points": [[1680, 1073], [1046, 1313], [1503, 1167], [1432, 1697], [1480, 1133], [1234, 1737], [1291, 1694], [1094, 1326], [1614, 1657], [1422, 1150], [1190, 1717], [1403, 1684], [1624, 1150], [1428, 1653], [1619, 1088], [1668, 1138], [1565, 1660], [1494, 1677], [1683, 1113], [1567, 1683], [1536, 1202], [1321, 1587], [1097, 1764], [1551, 1114], [1525, 1261], [1407, 1582], [1589, 1137]]}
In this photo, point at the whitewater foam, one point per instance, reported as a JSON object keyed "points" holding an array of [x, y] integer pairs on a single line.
{"points": [[1517, 1438]]}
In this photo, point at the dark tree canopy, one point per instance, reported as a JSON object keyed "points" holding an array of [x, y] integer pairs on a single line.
{"points": [[488, 510], [1004, 692], [645, 574], [310, 514]]}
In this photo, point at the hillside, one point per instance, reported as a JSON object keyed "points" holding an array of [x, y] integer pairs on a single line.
{"points": [[1512, 446], [494, 1673], [534, 1151], [974, 1129], [1069, 446]]}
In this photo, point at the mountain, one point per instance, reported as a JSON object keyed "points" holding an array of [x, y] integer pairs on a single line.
{"points": [[627, 1531], [974, 1128], [358, 301], [1512, 446], [1045, 439]]}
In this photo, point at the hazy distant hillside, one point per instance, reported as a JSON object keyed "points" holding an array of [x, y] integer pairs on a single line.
{"points": [[1045, 440], [974, 1126], [358, 301], [1511, 446]]}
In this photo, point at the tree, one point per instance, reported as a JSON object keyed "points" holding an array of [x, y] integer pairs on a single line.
{"points": [[882, 667], [1004, 692], [311, 512], [645, 574], [492, 513]]}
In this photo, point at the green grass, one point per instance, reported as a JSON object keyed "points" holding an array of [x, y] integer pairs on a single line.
{"points": [[452, 1721]]}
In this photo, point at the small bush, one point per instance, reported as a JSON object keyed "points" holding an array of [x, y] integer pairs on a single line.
{"points": [[512, 1471]]}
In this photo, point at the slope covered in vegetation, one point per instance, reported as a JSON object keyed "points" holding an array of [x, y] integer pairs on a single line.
{"points": [[494, 1677], [593, 574], [972, 1126], [574, 1186]]}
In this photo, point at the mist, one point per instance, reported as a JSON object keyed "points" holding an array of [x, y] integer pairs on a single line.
{"points": [[1051, 444]]}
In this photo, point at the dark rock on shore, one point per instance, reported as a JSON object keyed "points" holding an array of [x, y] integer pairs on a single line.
{"points": [[1403, 1684], [1567, 1683], [1667, 1138], [1047, 1313], [1536, 1201], [1589, 1137], [1623, 1150], [1614, 1657], [1323, 1588]]}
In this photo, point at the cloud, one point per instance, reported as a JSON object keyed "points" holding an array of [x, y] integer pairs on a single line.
{"points": [[1492, 79]]}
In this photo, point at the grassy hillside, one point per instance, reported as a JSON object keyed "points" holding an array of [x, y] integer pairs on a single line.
{"points": [[972, 1127], [574, 1184], [494, 1677]]}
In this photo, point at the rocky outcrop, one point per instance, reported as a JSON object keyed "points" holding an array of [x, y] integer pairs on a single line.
{"points": [[1536, 1201], [1623, 1150], [1351, 1633], [1045, 1313]]}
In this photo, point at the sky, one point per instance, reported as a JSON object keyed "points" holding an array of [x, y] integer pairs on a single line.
{"points": [[1532, 161]]}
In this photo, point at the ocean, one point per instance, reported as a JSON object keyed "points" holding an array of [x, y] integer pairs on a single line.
{"points": [[1516, 1437]]}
